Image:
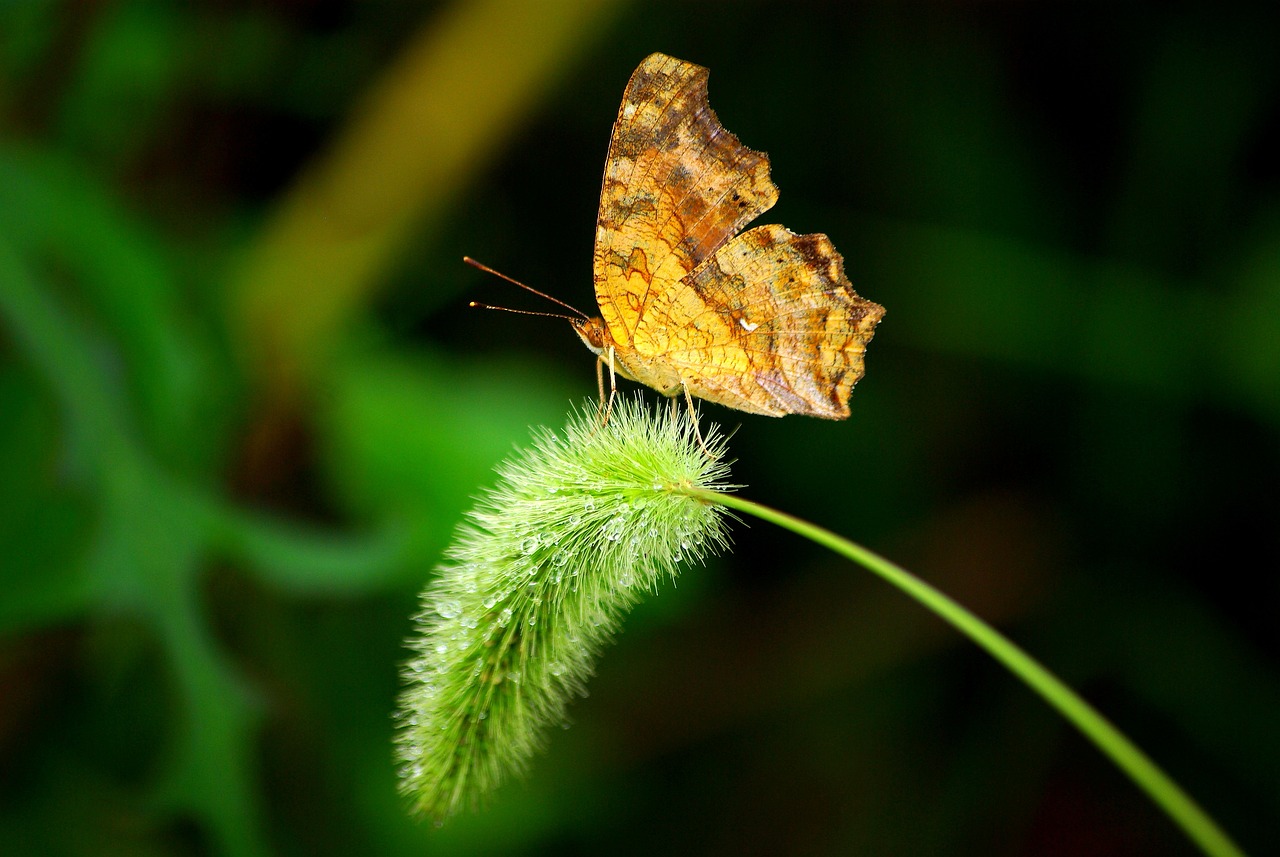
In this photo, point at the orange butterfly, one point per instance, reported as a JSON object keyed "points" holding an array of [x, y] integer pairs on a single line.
{"points": [[764, 321]]}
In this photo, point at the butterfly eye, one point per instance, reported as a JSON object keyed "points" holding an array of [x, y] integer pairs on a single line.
{"points": [[591, 330]]}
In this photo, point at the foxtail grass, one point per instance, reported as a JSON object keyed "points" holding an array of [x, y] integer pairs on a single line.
{"points": [[544, 567]]}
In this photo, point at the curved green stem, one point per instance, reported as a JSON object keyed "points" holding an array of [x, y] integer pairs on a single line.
{"points": [[1179, 806]]}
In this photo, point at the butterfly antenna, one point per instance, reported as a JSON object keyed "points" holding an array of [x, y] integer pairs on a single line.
{"points": [[479, 305], [481, 266]]}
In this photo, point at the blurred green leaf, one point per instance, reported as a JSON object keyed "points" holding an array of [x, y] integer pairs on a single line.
{"points": [[126, 71], [43, 525], [304, 560], [1248, 343], [57, 212], [994, 298], [412, 438]]}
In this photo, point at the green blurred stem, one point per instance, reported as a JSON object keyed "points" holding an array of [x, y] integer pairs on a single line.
{"points": [[1184, 811]]}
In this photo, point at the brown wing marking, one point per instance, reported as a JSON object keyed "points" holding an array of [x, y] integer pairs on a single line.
{"points": [[676, 187], [770, 325]]}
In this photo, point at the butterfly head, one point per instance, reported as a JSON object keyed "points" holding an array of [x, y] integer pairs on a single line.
{"points": [[593, 332]]}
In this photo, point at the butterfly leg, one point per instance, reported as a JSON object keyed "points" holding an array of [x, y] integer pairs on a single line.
{"points": [[606, 407], [600, 386]]}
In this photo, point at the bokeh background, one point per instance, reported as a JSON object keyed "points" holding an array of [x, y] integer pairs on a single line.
{"points": [[243, 403]]}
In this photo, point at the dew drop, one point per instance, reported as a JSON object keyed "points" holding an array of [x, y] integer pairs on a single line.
{"points": [[489, 601], [612, 529], [449, 609], [625, 579], [505, 616], [530, 545], [589, 505]]}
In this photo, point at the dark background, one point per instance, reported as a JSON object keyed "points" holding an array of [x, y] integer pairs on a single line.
{"points": [[243, 403]]}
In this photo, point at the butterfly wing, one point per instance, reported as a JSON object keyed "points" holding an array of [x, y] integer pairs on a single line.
{"points": [[676, 187], [765, 322], [770, 325]]}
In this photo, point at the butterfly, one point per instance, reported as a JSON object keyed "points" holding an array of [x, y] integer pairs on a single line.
{"points": [[764, 321]]}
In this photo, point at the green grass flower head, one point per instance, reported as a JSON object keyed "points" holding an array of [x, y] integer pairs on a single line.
{"points": [[537, 579]]}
